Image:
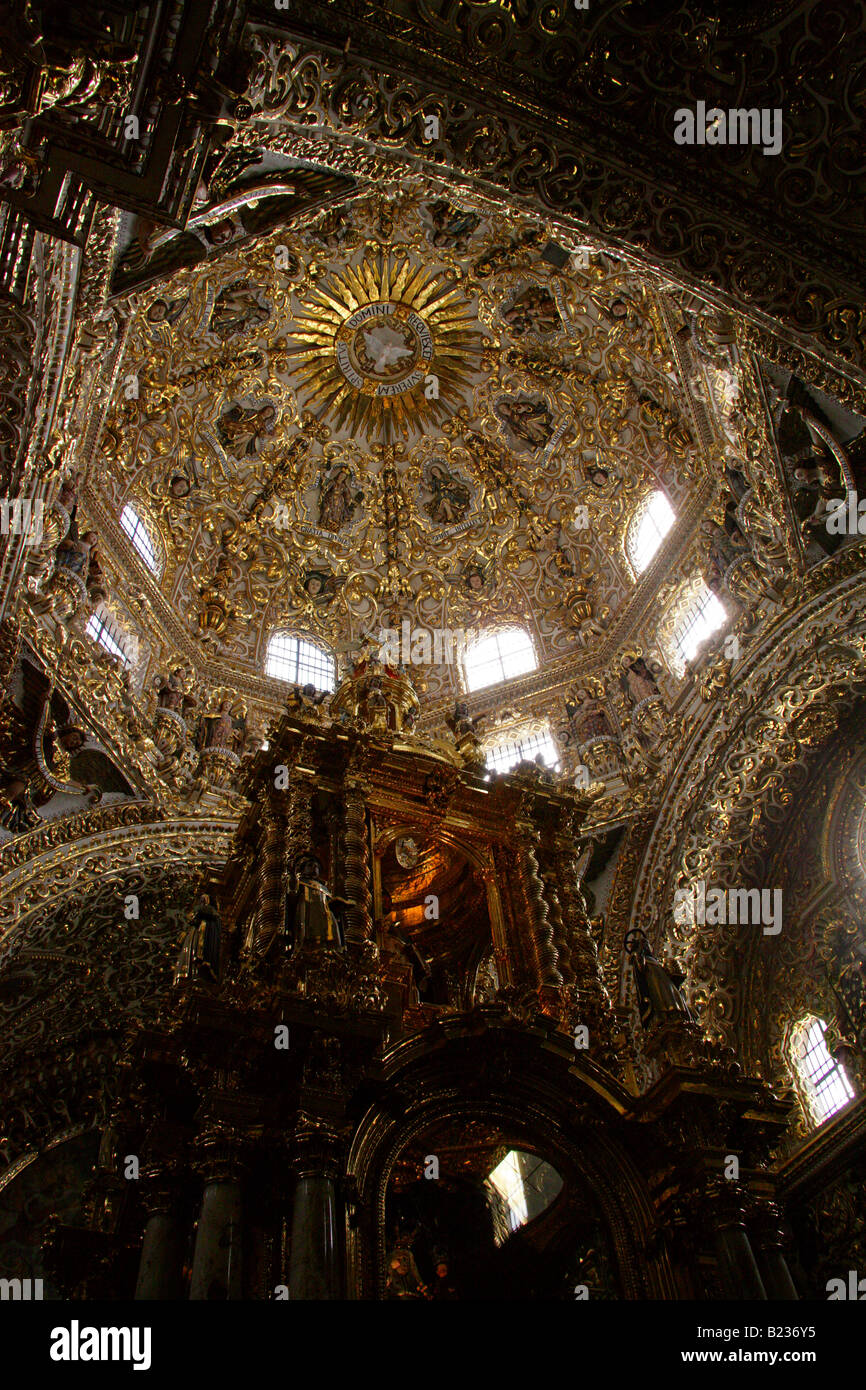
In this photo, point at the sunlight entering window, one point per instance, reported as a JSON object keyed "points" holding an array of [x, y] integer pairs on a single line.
{"points": [[823, 1081], [649, 530], [519, 1188], [499, 657], [104, 631], [704, 617], [507, 1180], [519, 749], [140, 536], [297, 662]]}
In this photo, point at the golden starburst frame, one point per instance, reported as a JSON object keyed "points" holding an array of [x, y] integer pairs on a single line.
{"points": [[385, 347]]}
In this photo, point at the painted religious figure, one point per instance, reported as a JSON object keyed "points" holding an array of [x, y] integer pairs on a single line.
{"points": [[242, 430], [403, 1279], [450, 225], [321, 586], [335, 230], [533, 311], [476, 576], [449, 497], [338, 498], [173, 692], [166, 310], [74, 551], [530, 421], [638, 681], [314, 916], [221, 731], [587, 718], [200, 951], [236, 309], [658, 989]]}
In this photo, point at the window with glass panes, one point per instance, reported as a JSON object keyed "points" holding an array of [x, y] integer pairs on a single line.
{"points": [[523, 748], [101, 629], [140, 536], [298, 662], [823, 1081], [649, 530], [500, 656], [703, 617]]}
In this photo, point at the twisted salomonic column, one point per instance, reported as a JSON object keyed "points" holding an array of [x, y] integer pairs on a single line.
{"points": [[359, 917], [217, 1271], [583, 963], [533, 890], [557, 922], [269, 901], [299, 816]]}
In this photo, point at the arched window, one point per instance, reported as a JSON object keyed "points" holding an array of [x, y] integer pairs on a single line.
{"points": [[102, 628], [299, 662], [142, 537], [520, 1188], [704, 616], [499, 656], [524, 746], [648, 528], [821, 1081]]}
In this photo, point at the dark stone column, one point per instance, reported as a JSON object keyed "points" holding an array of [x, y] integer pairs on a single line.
{"points": [[776, 1275], [314, 1260], [160, 1267], [315, 1256], [739, 1270], [770, 1242], [217, 1270]]}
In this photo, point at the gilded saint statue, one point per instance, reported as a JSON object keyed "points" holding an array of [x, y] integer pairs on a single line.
{"points": [[658, 989], [236, 309], [338, 498], [314, 916], [199, 955]]}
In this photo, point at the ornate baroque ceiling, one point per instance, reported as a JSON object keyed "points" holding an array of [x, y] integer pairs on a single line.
{"points": [[403, 411], [354, 368]]}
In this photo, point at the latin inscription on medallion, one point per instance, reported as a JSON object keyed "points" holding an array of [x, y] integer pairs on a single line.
{"points": [[384, 349]]}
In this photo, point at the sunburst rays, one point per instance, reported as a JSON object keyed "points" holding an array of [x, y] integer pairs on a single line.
{"points": [[385, 347]]}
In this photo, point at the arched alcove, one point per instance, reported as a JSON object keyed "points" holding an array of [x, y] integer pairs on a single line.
{"points": [[527, 1098]]}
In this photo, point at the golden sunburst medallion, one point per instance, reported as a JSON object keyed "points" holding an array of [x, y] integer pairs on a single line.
{"points": [[385, 346]]}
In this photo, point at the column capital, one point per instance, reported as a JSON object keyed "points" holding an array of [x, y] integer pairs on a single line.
{"points": [[315, 1148], [159, 1188], [220, 1153]]}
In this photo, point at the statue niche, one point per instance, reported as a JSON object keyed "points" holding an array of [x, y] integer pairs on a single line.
{"points": [[436, 935], [199, 956], [315, 917]]}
